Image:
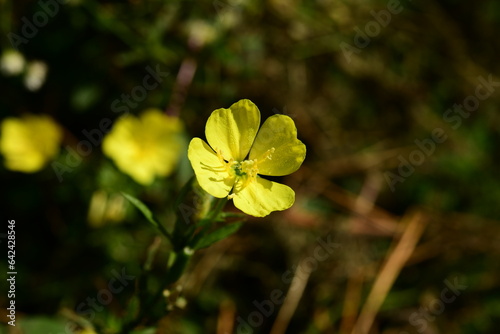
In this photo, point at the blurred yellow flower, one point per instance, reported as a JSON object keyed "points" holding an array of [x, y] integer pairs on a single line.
{"points": [[145, 147], [105, 208], [28, 143], [274, 150]]}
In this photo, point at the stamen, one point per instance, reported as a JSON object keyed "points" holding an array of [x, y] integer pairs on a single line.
{"points": [[245, 171], [250, 169], [267, 155], [226, 164]]}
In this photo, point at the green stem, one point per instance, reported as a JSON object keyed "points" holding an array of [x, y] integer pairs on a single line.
{"points": [[167, 234], [178, 266], [217, 208], [211, 217], [182, 254]]}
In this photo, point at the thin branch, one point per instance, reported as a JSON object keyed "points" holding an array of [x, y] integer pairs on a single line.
{"points": [[414, 226]]}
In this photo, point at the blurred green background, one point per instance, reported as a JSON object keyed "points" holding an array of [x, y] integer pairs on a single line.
{"points": [[359, 101]]}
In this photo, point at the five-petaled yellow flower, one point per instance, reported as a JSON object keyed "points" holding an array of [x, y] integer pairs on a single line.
{"points": [[145, 147], [29, 142], [239, 152]]}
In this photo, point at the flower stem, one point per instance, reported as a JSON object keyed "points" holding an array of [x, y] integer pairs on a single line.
{"points": [[181, 255]]}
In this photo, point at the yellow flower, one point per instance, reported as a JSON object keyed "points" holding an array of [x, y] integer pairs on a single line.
{"points": [[28, 143], [145, 147], [223, 167]]}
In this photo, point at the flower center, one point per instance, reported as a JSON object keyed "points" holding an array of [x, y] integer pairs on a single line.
{"points": [[246, 170]]}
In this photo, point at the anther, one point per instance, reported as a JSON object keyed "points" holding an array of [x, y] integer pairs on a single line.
{"points": [[267, 155]]}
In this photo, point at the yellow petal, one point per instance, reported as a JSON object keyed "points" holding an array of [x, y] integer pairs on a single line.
{"points": [[260, 197], [210, 172], [158, 121], [233, 130], [167, 142], [278, 132], [121, 146], [145, 147]]}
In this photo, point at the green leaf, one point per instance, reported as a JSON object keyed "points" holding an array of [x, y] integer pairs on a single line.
{"points": [[148, 214], [209, 221], [143, 208], [217, 235], [224, 215]]}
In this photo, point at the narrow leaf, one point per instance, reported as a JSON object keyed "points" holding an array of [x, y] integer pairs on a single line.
{"points": [[217, 235], [143, 208], [149, 215]]}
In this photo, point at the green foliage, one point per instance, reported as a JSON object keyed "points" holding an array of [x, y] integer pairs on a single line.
{"points": [[219, 234], [144, 210]]}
